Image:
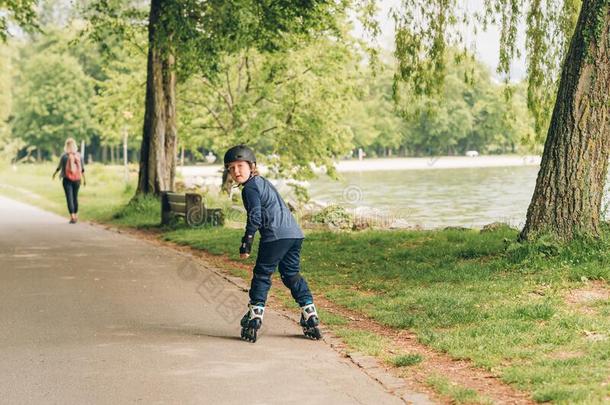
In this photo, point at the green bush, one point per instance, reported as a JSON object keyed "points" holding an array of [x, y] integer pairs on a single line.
{"points": [[334, 217]]}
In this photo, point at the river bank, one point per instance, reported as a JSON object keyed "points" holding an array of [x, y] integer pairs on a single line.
{"points": [[436, 162], [408, 193], [194, 173]]}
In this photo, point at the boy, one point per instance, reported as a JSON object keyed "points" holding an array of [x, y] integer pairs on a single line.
{"points": [[280, 244]]}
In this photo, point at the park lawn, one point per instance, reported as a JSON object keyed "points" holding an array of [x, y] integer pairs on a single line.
{"points": [[105, 193], [106, 198], [508, 307], [473, 295]]}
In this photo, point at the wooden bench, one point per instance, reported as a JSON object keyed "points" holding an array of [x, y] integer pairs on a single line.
{"points": [[189, 206]]}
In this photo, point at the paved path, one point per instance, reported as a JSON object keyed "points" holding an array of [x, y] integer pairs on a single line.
{"points": [[89, 316]]}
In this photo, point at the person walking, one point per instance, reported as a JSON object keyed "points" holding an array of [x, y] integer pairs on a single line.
{"points": [[72, 170]]}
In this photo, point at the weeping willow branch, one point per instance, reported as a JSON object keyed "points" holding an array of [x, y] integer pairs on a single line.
{"points": [[425, 31]]}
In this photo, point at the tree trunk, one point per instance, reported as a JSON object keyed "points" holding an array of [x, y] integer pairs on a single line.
{"points": [[158, 150], [125, 157], [570, 185]]}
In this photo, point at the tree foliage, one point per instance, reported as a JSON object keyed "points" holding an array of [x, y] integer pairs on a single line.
{"points": [[289, 105], [119, 103], [19, 12], [335, 103], [468, 114], [426, 30], [52, 101], [191, 36], [6, 73], [9, 146], [372, 116], [201, 34]]}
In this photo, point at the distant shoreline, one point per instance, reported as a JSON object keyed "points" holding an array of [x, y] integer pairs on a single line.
{"points": [[385, 164], [436, 162]]}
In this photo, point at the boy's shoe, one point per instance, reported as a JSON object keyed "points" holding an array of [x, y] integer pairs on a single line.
{"points": [[252, 322], [310, 322]]}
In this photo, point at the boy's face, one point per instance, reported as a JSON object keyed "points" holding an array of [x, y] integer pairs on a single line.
{"points": [[240, 171]]}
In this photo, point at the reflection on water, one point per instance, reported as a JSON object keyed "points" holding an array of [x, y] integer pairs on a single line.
{"points": [[433, 198]]}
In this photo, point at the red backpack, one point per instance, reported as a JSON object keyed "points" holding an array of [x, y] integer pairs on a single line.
{"points": [[73, 167]]}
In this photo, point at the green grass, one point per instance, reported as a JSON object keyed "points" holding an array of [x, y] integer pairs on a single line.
{"points": [[105, 193], [406, 360], [473, 295], [460, 395], [141, 212], [363, 341], [476, 296]]}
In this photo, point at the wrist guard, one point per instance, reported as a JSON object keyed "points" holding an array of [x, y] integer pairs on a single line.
{"points": [[246, 244]]}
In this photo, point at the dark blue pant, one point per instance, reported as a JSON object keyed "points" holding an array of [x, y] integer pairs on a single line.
{"points": [[285, 253], [71, 190]]}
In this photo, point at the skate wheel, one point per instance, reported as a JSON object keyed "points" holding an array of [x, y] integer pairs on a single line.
{"points": [[249, 335], [252, 335], [313, 333]]}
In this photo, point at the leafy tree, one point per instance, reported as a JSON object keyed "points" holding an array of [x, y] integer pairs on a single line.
{"points": [[20, 12], [9, 146], [189, 36], [6, 73], [52, 102], [373, 119], [568, 60], [43, 36], [119, 104], [289, 105], [567, 200], [501, 124], [458, 119], [442, 123]]}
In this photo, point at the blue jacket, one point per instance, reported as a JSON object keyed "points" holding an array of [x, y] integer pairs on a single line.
{"points": [[267, 212]]}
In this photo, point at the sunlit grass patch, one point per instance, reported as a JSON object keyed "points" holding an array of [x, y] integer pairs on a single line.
{"points": [[363, 341], [406, 360], [458, 394]]}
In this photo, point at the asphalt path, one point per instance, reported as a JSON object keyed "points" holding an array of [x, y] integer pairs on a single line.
{"points": [[91, 316]]}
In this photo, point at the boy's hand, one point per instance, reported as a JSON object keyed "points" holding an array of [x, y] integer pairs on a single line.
{"points": [[246, 246]]}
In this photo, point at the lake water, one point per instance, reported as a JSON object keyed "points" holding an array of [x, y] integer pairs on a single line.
{"points": [[431, 198], [469, 197]]}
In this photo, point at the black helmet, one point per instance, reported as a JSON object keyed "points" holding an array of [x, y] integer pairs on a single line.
{"points": [[239, 152]]}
